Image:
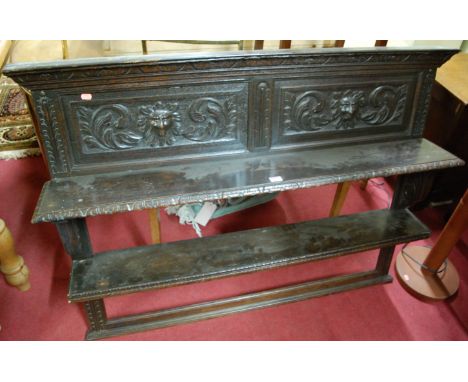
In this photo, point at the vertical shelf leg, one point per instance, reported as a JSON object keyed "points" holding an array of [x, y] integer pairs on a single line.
{"points": [[96, 314], [75, 238], [410, 189]]}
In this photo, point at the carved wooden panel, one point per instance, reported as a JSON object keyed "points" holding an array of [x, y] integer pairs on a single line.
{"points": [[163, 122], [120, 126], [310, 110], [117, 114]]}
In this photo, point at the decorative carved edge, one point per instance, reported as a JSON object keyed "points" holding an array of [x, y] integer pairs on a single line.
{"points": [[30, 75], [96, 313], [53, 142], [41, 108], [423, 103], [73, 213], [261, 132]]}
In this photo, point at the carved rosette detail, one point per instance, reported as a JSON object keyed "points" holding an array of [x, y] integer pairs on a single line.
{"points": [[117, 127], [314, 110]]}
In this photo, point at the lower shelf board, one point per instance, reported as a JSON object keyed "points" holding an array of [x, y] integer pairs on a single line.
{"points": [[243, 303], [168, 264]]}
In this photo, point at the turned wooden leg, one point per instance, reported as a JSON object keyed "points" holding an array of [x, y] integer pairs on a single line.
{"points": [[154, 225], [340, 197], [363, 183], [11, 265]]}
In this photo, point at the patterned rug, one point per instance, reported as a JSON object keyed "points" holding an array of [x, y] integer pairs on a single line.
{"points": [[17, 137]]}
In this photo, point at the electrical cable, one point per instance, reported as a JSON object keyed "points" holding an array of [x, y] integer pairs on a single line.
{"points": [[433, 271], [380, 186]]}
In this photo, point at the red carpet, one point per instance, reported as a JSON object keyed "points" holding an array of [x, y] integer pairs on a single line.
{"points": [[383, 312]]}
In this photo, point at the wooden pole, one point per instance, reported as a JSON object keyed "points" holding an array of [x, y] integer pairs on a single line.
{"points": [[428, 273], [11, 265], [258, 44], [339, 199], [154, 225], [65, 52], [381, 42], [450, 235], [144, 46]]}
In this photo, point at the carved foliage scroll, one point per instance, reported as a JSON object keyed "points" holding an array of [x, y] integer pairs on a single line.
{"points": [[211, 119], [53, 143], [316, 110], [158, 124]]}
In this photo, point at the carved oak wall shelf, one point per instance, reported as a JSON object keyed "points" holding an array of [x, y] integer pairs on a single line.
{"points": [[129, 133]]}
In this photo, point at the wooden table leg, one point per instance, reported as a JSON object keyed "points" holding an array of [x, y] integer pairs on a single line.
{"points": [[154, 225], [340, 196], [363, 183], [11, 265], [427, 272]]}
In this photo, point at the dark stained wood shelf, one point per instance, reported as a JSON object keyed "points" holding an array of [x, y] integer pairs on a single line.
{"points": [[163, 265], [81, 196], [132, 133]]}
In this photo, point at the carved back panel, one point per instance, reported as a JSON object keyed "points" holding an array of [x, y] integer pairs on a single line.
{"points": [[101, 115]]}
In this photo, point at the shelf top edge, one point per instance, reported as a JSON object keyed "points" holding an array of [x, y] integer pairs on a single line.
{"points": [[154, 59], [48, 210]]}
